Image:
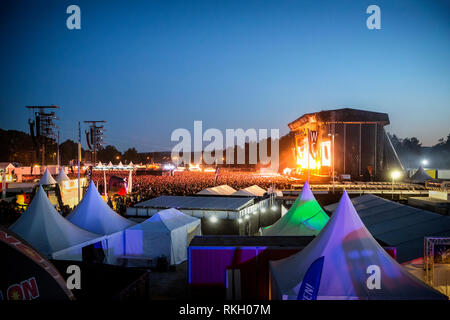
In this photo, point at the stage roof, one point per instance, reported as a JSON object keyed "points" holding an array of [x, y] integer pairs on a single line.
{"points": [[398, 225], [197, 202]]}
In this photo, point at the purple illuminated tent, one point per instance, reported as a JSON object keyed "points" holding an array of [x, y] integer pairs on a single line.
{"points": [[352, 258]]}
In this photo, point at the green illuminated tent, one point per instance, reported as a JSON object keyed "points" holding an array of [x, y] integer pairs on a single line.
{"points": [[304, 218]]}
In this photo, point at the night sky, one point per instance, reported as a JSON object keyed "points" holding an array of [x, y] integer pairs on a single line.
{"points": [[149, 67]]}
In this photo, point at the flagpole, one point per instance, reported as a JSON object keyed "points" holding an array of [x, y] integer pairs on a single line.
{"points": [[78, 160], [104, 181]]}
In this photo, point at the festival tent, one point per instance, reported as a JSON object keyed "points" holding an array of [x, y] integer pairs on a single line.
{"points": [[46, 179], [94, 214], [62, 176], [304, 218], [120, 165], [223, 190], [167, 233], [352, 263], [26, 274], [110, 165], [420, 176], [50, 233], [252, 191]]}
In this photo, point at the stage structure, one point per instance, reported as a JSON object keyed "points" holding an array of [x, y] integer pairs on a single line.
{"points": [[346, 141]]}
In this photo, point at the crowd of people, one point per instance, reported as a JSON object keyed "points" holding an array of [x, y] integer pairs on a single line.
{"points": [[185, 183]]}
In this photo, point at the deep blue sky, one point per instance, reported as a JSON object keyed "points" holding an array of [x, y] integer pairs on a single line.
{"points": [[149, 67]]}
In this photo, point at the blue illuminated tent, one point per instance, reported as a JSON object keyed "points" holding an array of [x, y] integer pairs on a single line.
{"points": [[352, 262], [94, 214], [50, 233]]}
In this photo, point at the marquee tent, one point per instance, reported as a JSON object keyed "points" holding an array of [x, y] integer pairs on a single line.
{"points": [[94, 215], [252, 191], [50, 233], [46, 179], [352, 260], [26, 274], [420, 176], [304, 218], [62, 176], [223, 190], [110, 165], [167, 232]]}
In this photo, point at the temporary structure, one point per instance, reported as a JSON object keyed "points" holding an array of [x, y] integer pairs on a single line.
{"points": [[420, 176], [46, 179], [110, 165], [304, 218], [223, 190], [26, 274], [93, 214], [62, 176], [252, 191], [167, 233], [50, 233], [355, 266]]}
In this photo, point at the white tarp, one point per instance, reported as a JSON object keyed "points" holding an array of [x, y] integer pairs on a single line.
{"points": [[94, 214], [223, 190], [167, 233], [47, 179], [252, 191], [348, 250], [49, 232]]}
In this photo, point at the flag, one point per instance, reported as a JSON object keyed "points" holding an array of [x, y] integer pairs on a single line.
{"points": [[216, 175], [311, 281]]}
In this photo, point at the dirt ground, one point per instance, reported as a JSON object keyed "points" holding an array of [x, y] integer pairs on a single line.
{"points": [[169, 285]]}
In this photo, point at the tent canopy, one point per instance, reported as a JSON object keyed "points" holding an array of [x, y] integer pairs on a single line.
{"points": [[420, 176], [46, 179], [348, 250], [62, 176], [93, 214], [252, 191], [167, 232], [223, 190], [48, 231], [304, 218]]}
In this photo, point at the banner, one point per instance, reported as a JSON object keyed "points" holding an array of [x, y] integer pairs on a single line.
{"points": [[311, 281], [312, 143]]}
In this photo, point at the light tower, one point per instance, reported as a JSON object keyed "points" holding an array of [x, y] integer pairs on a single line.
{"points": [[42, 128], [94, 136]]}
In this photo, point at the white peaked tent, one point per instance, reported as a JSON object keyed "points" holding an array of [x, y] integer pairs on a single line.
{"points": [[252, 191], [50, 233], [93, 214], [304, 218], [62, 176], [421, 176], [110, 165], [120, 164], [100, 164], [350, 253], [167, 232], [131, 164], [47, 179]]}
